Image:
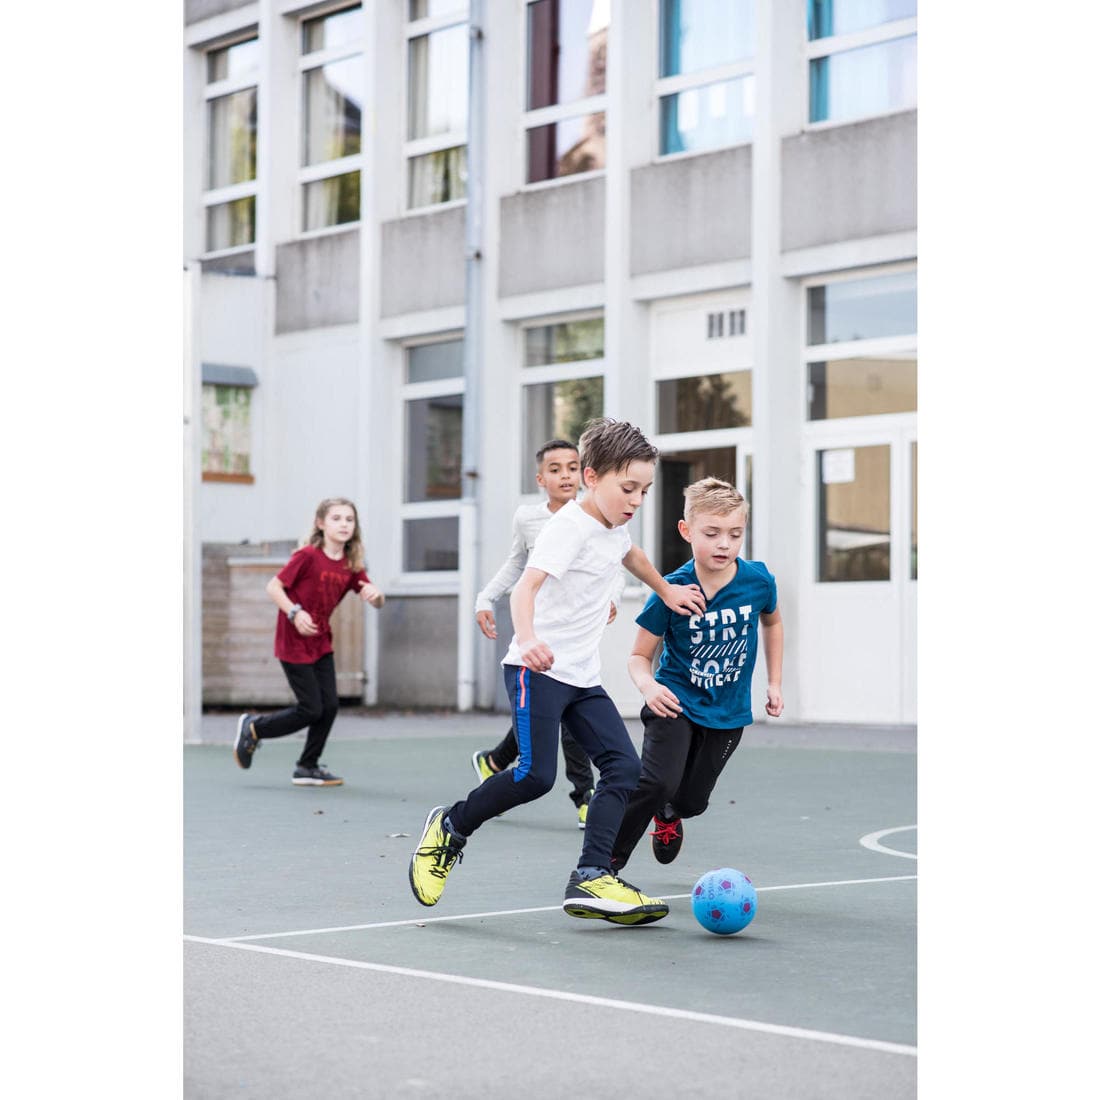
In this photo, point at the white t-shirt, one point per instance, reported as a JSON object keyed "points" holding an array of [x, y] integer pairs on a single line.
{"points": [[527, 524], [583, 559]]}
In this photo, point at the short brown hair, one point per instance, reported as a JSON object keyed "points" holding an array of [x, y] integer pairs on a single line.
{"points": [[607, 445], [553, 445], [712, 496]]}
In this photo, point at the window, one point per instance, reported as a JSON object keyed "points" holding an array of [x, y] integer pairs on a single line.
{"points": [[438, 81], [230, 185], [705, 402], [226, 433], [862, 353], [863, 57], [913, 510], [332, 71], [566, 87], [853, 514], [432, 466], [705, 88], [563, 385]]}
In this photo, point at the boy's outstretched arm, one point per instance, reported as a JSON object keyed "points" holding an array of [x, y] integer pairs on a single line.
{"points": [[660, 699], [684, 598], [772, 626], [536, 655]]}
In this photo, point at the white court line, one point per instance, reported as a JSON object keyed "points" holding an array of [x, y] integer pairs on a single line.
{"points": [[871, 840], [576, 998], [517, 912]]}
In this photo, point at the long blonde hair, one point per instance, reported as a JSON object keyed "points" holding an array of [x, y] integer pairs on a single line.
{"points": [[353, 548]]}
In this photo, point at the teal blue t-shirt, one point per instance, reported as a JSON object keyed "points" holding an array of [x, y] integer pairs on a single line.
{"points": [[708, 659]]}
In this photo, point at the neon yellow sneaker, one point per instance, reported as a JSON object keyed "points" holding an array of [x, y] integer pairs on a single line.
{"points": [[610, 898], [582, 810], [480, 762], [435, 855]]}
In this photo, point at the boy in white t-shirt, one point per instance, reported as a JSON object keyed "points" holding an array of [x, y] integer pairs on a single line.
{"points": [[558, 472], [552, 673]]}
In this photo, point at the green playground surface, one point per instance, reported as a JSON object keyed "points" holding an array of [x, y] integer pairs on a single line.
{"points": [[310, 970]]}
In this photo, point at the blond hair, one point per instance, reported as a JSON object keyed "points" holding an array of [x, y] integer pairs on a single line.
{"points": [[713, 497], [353, 548]]}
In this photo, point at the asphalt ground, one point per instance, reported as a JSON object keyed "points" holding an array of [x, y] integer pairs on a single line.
{"points": [[310, 970]]}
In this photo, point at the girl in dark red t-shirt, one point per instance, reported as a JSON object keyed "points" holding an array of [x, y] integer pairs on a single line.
{"points": [[307, 590]]}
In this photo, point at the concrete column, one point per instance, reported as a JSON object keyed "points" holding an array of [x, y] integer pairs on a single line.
{"points": [[779, 537]]}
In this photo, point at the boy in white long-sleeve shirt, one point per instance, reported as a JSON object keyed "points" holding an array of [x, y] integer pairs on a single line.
{"points": [[558, 472]]}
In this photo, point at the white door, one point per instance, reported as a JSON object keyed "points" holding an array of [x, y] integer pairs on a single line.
{"points": [[857, 651]]}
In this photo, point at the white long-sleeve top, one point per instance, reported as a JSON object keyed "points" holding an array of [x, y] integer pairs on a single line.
{"points": [[528, 521]]}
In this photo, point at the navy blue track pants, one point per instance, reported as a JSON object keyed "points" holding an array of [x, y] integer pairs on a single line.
{"points": [[539, 705]]}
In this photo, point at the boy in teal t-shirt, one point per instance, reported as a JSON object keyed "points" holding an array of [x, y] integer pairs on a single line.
{"points": [[699, 700]]}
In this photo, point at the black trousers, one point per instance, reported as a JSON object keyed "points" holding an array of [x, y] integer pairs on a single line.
{"points": [[578, 768], [314, 687], [540, 704], [681, 762]]}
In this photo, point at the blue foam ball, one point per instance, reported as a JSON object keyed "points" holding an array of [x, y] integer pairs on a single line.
{"points": [[724, 901]]}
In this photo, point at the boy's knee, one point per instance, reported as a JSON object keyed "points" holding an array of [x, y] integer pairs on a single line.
{"points": [[536, 784], [625, 772], [311, 712]]}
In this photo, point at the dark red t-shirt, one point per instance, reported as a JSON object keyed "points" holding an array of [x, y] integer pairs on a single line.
{"points": [[318, 583]]}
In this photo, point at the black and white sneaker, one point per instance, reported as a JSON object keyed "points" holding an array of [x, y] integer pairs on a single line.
{"points": [[319, 776], [247, 742]]}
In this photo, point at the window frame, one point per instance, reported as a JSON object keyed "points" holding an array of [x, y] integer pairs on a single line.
{"points": [[817, 48], [554, 113], [683, 82], [425, 509], [418, 147], [328, 169], [549, 373], [221, 196], [874, 347]]}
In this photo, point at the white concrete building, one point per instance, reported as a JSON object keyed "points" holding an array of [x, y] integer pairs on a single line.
{"points": [[699, 216]]}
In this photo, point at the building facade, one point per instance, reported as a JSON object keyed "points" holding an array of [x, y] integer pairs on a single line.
{"points": [[699, 216]]}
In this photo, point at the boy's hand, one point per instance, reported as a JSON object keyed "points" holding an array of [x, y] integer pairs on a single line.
{"points": [[612, 613], [487, 624], [371, 594], [304, 624], [774, 705], [662, 701], [685, 598], [536, 655]]}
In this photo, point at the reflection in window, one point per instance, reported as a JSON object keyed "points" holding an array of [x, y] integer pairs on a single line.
{"points": [[430, 544], [231, 132], [333, 111], [862, 387], [231, 224], [331, 201], [708, 117], [566, 148], [862, 309], [557, 410], [699, 34], [438, 82], [431, 362], [829, 17], [233, 62], [329, 31], [566, 342], [709, 401], [864, 81], [675, 472], [226, 431], [433, 448], [566, 50], [853, 515], [437, 177]]}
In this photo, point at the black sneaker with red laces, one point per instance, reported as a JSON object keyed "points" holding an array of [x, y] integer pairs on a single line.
{"points": [[668, 836]]}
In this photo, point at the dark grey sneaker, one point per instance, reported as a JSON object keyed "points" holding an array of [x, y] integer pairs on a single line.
{"points": [[319, 776], [247, 742]]}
